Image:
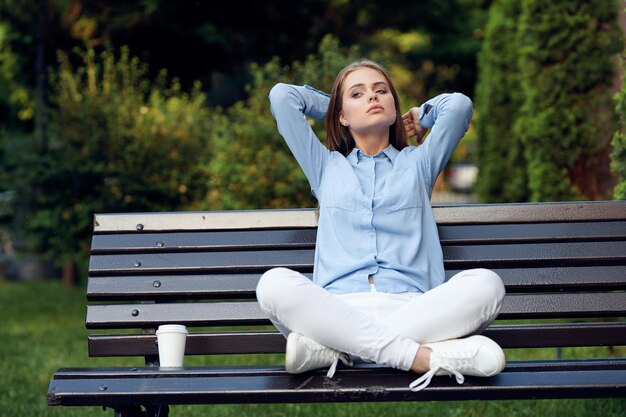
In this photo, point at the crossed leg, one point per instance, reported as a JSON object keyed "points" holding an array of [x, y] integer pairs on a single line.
{"points": [[466, 304]]}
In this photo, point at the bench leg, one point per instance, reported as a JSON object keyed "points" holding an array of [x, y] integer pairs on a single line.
{"points": [[136, 411]]}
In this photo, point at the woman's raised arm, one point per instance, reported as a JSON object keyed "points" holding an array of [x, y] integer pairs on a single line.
{"points": [[290, 105]]}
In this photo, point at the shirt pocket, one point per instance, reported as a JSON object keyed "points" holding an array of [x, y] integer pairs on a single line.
{"points": [[402, 191], [339, 190]]}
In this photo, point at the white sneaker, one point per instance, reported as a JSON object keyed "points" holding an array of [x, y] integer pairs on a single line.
{"points": [[474, 356], [304, 354]]}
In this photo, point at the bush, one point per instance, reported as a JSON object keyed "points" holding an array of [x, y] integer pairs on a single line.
{"points": [[118, 142], [502, 174], [251, 166], [560, 113], [618, 155]]}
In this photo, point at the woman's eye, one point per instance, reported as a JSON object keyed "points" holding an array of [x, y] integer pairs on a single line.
{"points": [[356, 94], [381, 91]]}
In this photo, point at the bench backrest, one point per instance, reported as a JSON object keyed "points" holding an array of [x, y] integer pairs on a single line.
{"points": [[558, 261]]}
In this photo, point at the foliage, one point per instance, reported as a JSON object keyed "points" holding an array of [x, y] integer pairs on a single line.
{"points": [[252, 166], [223, 41], [560, 114], [118, 142], [502, 174], [618, 155], [15, 99], [566, 53]]}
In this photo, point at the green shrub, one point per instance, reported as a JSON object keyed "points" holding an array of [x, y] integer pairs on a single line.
{"points": [[554, 121], [118, 142], [502, 174], [251, 166], [618, 155]]}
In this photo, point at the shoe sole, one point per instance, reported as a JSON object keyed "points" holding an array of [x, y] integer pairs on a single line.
{"points": [[290, 352]]}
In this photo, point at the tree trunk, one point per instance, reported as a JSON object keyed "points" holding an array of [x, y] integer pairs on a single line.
{"points": [[69, 275]]}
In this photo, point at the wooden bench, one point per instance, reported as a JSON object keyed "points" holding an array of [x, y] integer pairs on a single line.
{"points": [[563, 261]]}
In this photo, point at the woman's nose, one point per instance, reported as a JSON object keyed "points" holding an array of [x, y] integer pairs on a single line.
{"points": [[373, 97]]}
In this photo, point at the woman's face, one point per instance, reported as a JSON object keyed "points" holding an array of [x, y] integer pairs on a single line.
{"points": [[367, 103]]}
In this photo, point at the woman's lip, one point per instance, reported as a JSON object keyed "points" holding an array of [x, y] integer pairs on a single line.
{"points": [[375, 107]]}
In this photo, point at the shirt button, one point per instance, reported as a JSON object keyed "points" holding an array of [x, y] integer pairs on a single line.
{"points": [[368, 211], [371, 234]]}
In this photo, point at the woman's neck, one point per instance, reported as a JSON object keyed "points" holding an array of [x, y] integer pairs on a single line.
{"points": [[371, 144]]}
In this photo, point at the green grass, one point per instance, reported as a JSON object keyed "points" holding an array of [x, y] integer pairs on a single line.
{"points": [[43, 330]]}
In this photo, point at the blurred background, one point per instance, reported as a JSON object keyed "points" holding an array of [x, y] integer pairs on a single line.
{"points": [[155, 105]]}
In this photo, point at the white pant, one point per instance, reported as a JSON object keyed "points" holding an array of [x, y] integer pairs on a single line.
{"points": [[383, 328]]}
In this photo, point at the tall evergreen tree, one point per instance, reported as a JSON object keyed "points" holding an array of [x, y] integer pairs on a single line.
{"points": [[544, 100], [502, 174], [618, 155], [566, 61]]}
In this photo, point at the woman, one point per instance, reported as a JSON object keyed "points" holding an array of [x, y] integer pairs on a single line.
{"points": [[378, 291]]}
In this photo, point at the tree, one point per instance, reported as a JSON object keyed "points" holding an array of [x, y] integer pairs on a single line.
{"points": [[564, 123], [251, 165], [502, 167], [118, 142], [618, 155]]}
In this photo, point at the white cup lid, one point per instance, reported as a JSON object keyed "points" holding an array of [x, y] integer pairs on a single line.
{"points": [[172, 328]]}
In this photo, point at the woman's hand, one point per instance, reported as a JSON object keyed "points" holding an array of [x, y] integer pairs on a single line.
{"points": [[412, 125]]}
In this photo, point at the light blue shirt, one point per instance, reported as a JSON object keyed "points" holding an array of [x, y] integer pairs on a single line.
{"points": [[375, 213]]}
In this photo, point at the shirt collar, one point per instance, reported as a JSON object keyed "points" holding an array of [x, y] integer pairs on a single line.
{"points": [[356, 154]]}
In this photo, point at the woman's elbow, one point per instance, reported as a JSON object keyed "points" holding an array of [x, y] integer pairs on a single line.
{"points": [[462, 102], [462, 105], [279, 92]]}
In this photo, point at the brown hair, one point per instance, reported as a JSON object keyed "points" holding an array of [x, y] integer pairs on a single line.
{"points": [[338, 136]]}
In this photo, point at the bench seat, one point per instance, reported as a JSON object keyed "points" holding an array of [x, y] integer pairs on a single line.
{"points": [[239, 385]]}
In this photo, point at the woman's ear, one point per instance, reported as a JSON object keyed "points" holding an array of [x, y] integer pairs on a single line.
{"points": [[343, 120]]}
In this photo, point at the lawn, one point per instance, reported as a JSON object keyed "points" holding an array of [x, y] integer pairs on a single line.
{"points": [[43, 330]]}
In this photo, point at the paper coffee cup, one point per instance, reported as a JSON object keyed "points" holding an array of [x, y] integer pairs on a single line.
{"points": [[171, 340]]}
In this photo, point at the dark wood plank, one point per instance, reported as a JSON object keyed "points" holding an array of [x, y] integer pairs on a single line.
{"points": [[531, 233], [203, 240], [160, 287], [463, 256], [200, 261], [552, 365], [544, 254], [219, 286], [542, 278], [255, 386], [250, 342], [612, 304], [247, 313], [305, 238]]}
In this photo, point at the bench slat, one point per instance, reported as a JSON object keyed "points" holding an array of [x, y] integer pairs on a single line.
{"points": [[551, 365], [254, 385], [464, 256], [249, 313], [161, 287], [522, 233], [579, 253], [297, 218], [252, 342], [305, 238], [219, 240], [200, 261]]}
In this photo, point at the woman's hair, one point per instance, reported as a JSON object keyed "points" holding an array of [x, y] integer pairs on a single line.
{"points": [[338, 136]]}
